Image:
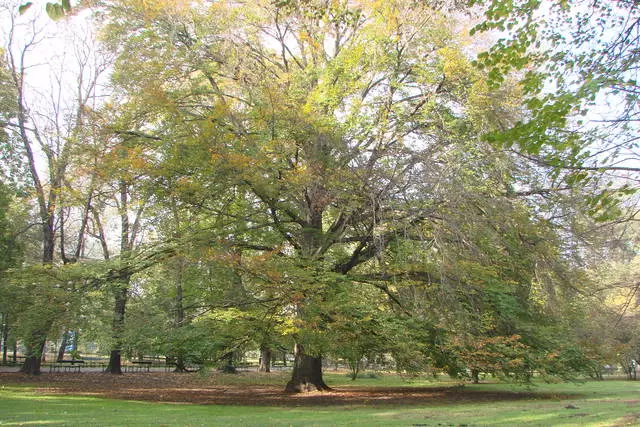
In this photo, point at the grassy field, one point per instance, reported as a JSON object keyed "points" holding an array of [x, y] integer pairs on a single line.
{"points": [[604, 403]]}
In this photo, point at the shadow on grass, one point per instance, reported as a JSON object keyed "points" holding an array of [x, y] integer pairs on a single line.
{"points": [[199, 390]]}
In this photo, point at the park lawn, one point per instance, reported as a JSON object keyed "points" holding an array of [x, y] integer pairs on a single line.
{"points": [[604, 403]]}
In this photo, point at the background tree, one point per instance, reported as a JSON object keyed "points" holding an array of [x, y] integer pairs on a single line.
{"points": [[11, 253], [46, 123]]}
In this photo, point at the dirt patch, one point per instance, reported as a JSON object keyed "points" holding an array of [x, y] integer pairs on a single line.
{"points": [[189, 388]]}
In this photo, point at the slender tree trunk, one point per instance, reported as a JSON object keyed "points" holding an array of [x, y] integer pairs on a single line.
{"points": [[265, 358], [354, 364], [5, 337], [63, 346], [117, 327], [179, 315], [307, 373], [127, 237]]}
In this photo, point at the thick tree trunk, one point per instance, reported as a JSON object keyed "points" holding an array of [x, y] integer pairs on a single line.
{"points": [[33, 358], [115, 362], [307, 373], [265, 359]]}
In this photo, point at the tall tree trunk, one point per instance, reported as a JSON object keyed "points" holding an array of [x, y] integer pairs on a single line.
{"points": [[127, 237], [265, 358], [63, 346], [307, 373], [117, 327], [179, 315], [5, 336], [35, 344]]}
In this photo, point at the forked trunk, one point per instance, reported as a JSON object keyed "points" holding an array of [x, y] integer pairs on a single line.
{"points": [[354, 365], [307, 373]]}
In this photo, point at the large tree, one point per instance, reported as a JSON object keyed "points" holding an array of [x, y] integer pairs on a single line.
{"points": [[338, 127]]}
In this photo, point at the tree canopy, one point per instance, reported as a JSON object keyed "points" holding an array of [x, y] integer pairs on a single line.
{"points": [[356, 180]]}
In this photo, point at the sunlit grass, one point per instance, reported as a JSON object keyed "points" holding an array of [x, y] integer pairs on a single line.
{"points": [[604, 403]]}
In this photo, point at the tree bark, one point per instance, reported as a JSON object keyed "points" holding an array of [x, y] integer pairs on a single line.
{"points": [[5, 337], [354, 364], [115, 362], [475, 376], [33, 358], [307, 373], [117, 328], [179, 313], [265, 359], [63, 346]]}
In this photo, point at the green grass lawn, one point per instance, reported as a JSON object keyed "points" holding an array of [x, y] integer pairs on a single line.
{"points": [[604, 403]]}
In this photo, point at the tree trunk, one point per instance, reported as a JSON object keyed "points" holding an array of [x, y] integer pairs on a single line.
{"points": [[5, 337], [63, 346], [475, 376], [179, 313], [33, 358], [354, 364], [228, 367], [117, 329], [265, 359], [115, 362], [307, 373], [180, 364]]}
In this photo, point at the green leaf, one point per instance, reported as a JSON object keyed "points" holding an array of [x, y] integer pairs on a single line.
{"points": [[24, 7], [55, 11], [66, 5]]}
